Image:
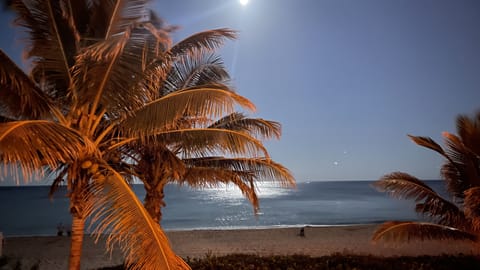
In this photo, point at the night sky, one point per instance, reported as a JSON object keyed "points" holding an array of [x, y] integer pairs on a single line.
{"points": [[348, 79]]}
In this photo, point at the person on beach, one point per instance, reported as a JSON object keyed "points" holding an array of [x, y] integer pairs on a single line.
{"points": [[302, 232], [60, 229]]}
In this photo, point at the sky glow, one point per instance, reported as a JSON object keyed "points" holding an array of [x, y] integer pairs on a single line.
{"points": [[342, 76]]}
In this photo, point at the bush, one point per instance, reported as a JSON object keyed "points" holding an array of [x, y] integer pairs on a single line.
{"points": [[332, 262]]}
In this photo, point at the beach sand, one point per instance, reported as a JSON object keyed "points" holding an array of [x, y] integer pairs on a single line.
{"points": [[52, 252]]}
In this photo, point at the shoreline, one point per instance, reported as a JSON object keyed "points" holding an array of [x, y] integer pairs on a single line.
{"points": [[51, 252]]}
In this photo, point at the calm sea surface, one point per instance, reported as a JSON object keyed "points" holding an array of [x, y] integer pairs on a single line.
{"points": [[29, 211]]}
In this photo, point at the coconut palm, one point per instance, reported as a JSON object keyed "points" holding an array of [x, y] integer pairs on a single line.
{"points": [[456, 219], [95, 66], [206, 152]]}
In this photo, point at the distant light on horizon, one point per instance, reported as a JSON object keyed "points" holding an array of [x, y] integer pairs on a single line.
{"points": [[244, 2]]}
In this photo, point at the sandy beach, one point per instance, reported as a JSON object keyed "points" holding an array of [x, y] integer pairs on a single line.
{"points": [[51, 252]]}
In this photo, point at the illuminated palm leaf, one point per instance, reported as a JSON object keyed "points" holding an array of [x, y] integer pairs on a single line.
{"points": [[469, 132], [194, 70], [428, 143], [165, 111], [407, 231], [462, 171], [202, 142], [19, 96], [429, 203], [119, 211], [208, 177], [52, 43], [109, 72], [472, 206], [38, 143], [207, 40], [112, 17], [261, 169], [257, 127]]}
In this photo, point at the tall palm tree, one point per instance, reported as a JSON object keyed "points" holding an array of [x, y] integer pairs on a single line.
{"points": [[94, 66], [456, 219], [206, 152]]}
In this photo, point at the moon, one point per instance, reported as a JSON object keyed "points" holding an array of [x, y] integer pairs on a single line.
{"points": [[243, 2]]}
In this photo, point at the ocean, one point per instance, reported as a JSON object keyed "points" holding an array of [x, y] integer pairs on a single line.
{"points": [[27, 210]]}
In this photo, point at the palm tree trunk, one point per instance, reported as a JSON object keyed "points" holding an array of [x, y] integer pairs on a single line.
{"points": [[154, 201], [78, 225]]}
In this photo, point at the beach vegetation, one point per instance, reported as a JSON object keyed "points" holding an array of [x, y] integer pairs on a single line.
{"points": [[332, 262], [92, 89], [458, 218]]}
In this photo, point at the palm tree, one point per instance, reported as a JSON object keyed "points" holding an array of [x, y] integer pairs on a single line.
{"points": [[456, 219], [95, 64], [193, 151]]}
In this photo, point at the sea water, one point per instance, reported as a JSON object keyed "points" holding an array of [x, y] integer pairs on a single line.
{"points": [[27, 210]]}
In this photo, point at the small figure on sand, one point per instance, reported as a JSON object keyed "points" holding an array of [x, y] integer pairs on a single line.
{"points": [[60, 229], [302, 232]]}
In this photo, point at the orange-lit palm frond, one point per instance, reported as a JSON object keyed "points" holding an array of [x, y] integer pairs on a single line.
{"points": [[465, 161], [117, 210], [108, 74], [455, 182], [207, 40], [472, 206], [407, 231], [429, 202], [112, 17], [34, 144], [207, 141], [428, 143], [257, 127], [208, 177], [19, 96], [165, 111], [195, 70], [261, 169], [60, 176], [469, 132], [52, 42]]}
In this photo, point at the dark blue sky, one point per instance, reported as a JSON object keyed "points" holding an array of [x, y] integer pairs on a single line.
{"points": [[347, 79]]}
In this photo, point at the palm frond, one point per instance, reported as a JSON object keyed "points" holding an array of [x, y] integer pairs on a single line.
{"points": [[208, 141], [428, 143], [19, 96], [405, 186], [118, 211], [59, 179], [257, 127], [35, 144], [261, 169], [456, 185], [465, 161], [121, 73], [113, 17], [165, 111], [195, 70], [209, 40], [472, 206], [407, 231], [469, 131], [51, 43], [208, 177], [79, 15], [429, 202]]}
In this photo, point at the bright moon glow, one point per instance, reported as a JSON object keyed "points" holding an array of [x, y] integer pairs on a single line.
{"points": [[243, 2]]}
